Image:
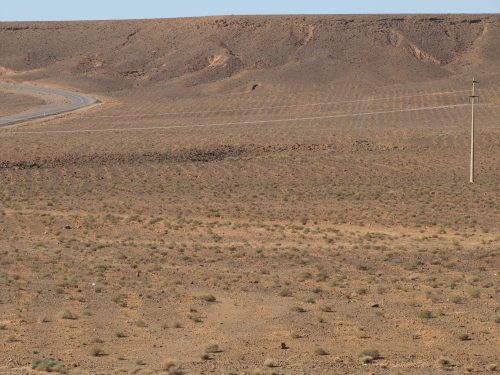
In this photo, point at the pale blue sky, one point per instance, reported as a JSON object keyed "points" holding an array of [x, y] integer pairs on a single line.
{"points": [[38, 10]]}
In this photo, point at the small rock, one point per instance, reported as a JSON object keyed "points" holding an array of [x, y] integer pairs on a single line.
{"points": [[284, 345], [67, 227]]}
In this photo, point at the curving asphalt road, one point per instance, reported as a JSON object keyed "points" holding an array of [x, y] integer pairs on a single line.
{"points": [[76, 101]]}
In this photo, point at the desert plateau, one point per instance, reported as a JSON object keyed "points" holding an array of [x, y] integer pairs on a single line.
{"points": [[250, 195]]}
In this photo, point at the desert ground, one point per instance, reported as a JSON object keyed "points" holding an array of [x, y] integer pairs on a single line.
{"points": [[252, 195]]}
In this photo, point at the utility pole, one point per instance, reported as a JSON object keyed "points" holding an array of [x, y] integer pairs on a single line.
{"points": [[473, 98]]}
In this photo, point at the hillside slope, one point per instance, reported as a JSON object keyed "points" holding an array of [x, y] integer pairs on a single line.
{"points": [[227, 53]]}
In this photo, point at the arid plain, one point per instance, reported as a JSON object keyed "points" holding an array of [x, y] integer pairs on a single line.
{"points": [[252, 195]]}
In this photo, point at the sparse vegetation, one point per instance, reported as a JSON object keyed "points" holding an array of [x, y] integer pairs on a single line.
{"points": [[168, 364], [301, 241], [285, 293], [97, 352], [208, 298], [270, 363], [66, 314], [49, 365], [367, 359], [373, 353], [320, 351], [444, 362], [425, 314], [492, 367], [213, 348]]}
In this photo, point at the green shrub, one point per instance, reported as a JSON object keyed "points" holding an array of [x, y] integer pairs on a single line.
{"points": [[49, 365], [425, 314]]}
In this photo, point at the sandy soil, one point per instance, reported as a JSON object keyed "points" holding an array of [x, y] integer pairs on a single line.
{"points": [[12, 103], [194, 223]]}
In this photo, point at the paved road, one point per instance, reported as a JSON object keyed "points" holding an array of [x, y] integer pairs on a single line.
{"points": [[72, 101]]}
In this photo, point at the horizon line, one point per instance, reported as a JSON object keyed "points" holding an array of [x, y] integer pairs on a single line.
{"points": [[248, 15]]}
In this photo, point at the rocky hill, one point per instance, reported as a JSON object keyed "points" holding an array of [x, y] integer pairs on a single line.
{"points": [[236, 52]]}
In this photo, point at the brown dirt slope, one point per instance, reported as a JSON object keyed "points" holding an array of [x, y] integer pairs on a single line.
{"points": [[239, 52]]}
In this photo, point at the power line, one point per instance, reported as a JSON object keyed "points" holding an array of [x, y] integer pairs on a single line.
{"points": [[273, 107], [344, 115]]}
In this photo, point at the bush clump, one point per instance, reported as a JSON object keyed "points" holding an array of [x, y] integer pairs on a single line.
{"points": [[208, 298], [369, 355], [425, 314], [49, 365]]}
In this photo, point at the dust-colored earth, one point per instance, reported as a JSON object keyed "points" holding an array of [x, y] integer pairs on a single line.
{"points": [[252, 195], [12, 103]]}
